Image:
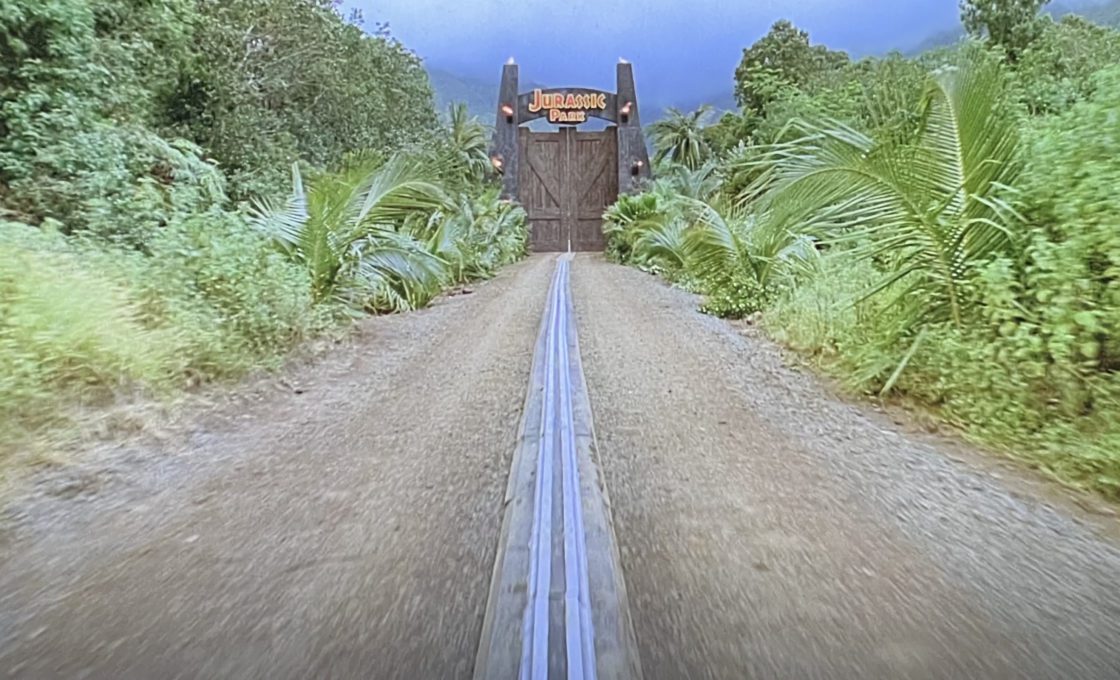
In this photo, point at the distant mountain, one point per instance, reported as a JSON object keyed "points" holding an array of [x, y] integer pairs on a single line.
{"points": [[480, 96], [940, 39]]}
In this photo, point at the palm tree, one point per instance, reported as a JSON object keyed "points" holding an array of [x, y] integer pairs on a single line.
{"points": [[467, 139], [933, 209], [345, 229], [679, 137]]}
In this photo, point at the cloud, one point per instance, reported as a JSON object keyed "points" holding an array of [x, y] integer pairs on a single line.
{"points": [[680, 49]]}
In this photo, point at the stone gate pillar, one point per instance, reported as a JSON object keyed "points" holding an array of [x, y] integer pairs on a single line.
{"points": [[504, 154], [633, 157]]}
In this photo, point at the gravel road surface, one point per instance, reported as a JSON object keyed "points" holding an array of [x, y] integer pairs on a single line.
{"points": [[347, 528], [768, 530], [347, 532]]}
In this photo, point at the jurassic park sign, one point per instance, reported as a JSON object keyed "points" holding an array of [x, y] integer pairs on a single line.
{"points": [[567, 107]]}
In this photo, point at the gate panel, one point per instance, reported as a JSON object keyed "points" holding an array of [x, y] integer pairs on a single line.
{"points": [[594, 183], [542, 172], [567, 179]]}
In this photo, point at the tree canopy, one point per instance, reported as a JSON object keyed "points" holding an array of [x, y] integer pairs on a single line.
{"points": [[1010, 24], [781, 59]]}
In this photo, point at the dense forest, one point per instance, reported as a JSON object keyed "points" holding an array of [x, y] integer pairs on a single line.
{"points": [[943, 230], [191, 188]]}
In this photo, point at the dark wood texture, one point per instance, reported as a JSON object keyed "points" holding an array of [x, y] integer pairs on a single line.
{"points": [[567, 180], [594, 185], [542, 188]]}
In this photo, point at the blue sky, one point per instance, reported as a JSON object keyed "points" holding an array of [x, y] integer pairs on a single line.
{"points": [[681, 49]]}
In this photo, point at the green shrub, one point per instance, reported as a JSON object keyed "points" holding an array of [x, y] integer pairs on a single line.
{"points": [[624, 220], [995, 381], [731, 295], [82, 323], [1071, 200], [126, 126], [69, 332], [272, 82], [243, 303], [477, 236], [1057, 70]]}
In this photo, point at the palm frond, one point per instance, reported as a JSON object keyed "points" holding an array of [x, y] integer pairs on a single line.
{"points": [[395, 191], [934, 209]]}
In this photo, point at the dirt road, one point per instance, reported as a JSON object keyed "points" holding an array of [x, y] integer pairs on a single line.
{"points": [[767, 529], [348, 532]]}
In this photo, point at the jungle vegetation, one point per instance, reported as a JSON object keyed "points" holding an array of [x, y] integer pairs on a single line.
{"points": [[189, 189], [942, 230]]}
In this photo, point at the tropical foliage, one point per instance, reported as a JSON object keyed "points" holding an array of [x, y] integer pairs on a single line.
{"points": [[157, 231], [782, 59], [941, 229], [1010, 24], [679, 138]]}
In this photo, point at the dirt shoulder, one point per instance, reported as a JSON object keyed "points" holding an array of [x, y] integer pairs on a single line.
{"points": [[339, 523]]}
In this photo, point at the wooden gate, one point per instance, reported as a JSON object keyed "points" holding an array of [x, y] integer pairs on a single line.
{"points": [[568, 179]]}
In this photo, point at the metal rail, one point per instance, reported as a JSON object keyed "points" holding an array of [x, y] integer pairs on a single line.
{"points": [[557, 441], [557, 605]]}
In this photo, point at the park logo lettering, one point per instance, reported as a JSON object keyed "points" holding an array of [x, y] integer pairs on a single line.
{"points": [[566, 107]]}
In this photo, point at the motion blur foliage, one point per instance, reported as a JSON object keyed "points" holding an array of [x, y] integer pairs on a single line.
{"points": [[83, 325], [940, 229], [133, 137], [1059, 68]]}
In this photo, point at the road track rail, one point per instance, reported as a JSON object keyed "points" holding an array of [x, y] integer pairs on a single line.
{"points": [[557, 605]]}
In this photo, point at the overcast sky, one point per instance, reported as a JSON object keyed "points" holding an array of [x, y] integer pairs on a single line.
{"points": [[680, 48]]}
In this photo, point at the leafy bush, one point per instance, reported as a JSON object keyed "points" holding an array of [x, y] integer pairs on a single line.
{"points": [[273, 81], [714, 248], [970, 251], [68, 328], [388, 238], [624, 220], [994, 382], [126, 127], [478, 236], [213, 273], [731, 295], [345, 230], [1057, 70], [934, 208]]}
